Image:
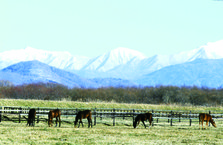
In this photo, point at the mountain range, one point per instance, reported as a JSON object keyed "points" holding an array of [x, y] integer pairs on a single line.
{"points": [[121, 67]]}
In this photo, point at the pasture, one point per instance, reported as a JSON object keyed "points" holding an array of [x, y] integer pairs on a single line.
{"points": [[18, 133], [104, 132]]}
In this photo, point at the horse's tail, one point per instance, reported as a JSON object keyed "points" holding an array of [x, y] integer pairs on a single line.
{"points": [[199, 117], [49, 117]]}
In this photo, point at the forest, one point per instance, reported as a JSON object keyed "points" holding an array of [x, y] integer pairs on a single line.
{"points": [[146, 95]]}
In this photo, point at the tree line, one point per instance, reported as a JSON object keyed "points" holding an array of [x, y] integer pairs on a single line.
{"points": [[145, 95]]}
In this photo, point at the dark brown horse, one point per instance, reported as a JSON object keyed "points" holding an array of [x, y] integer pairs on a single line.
{"points": [[143, 117], [206, 117], [82, 115], [31, 117], [54, 114]]}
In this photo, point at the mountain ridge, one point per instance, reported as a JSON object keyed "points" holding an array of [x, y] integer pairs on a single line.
{"points": [[200, 73], [28, 72], [120, 63]]}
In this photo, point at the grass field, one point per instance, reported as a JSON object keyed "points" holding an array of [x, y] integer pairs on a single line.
{"points": [[74, 104], [104, 133], [18, 133]]}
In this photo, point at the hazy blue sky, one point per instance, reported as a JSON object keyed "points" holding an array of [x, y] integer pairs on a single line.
{"points": [[92, 27]]}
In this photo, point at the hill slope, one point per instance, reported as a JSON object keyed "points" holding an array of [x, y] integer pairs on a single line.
{"points": [[200, 72]]}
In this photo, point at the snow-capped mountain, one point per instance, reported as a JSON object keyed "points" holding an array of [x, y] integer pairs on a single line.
{"points": [[136, 69], [200, 73], [112, 59], [62, 60], [119, 59], [34, 72], [120, 63]]}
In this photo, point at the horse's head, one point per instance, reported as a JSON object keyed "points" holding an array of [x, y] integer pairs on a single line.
{"points": [[134, 124], [49, 122], [213, 123]]}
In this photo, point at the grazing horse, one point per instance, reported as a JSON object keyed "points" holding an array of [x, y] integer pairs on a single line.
{"points": [[82, 115], [54, 114], [143, 117], [31, 117], [206, 117]]}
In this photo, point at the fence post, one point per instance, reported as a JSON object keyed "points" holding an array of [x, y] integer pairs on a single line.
{"points": [[157, 119], [20, 111], [152, 116], [38, 115], [95, 113], [1, 114], [209, 121], [190, 118], [101, 114], [113, 117], [133, 113], [171, 120]]}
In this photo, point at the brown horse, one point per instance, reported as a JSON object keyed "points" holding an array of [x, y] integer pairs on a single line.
{"points": [[31, 117], [206, 117], [82, 115], [54, 114], [143, 117]]}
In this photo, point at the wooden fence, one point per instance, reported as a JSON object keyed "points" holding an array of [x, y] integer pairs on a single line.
{"points": [[19, 114]]}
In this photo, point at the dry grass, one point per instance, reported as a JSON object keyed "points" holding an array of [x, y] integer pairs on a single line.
{"points": [[18, 133], [74, 104], [104, 132]]}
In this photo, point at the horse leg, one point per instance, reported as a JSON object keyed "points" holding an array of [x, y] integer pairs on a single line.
{"points": [[89, 122], [34, 119], [199, 123], [59, 121], [202, 124], [79, 123], [206, 124], [150, 123], [50, 122], [56, 121], [32, 122], [144, 124], [82, 123], [137, 123]]}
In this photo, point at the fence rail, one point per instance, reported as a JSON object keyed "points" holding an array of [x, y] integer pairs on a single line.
{"points": [[18, 114]]}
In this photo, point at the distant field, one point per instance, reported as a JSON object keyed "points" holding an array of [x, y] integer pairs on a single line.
{"points": [[74, 104]]}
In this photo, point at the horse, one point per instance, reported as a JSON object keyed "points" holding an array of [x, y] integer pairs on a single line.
{"points": [[31, 117], [206, 117], [54, 114], [82, 115], [143, 117]]}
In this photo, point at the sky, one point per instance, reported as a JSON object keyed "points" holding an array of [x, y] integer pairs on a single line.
{"points": [[93, 27]]}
